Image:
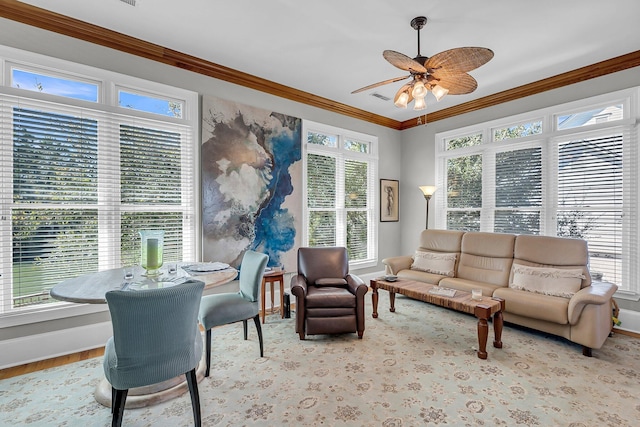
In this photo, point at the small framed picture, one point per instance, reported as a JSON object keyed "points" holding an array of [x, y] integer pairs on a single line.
{"points": [[389, 203]]}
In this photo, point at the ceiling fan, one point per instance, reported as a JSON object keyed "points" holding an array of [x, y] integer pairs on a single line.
{"points": [[443, 73]]}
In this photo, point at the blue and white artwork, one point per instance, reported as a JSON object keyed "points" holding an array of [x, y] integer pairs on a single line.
{"points": [[251, 183]]}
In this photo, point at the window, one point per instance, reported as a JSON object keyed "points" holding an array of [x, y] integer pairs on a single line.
{"points": [[81, 177], [150, 103], [575, 178], [340, 176]]}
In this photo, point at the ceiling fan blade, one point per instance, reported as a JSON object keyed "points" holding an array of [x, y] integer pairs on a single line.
{"points": [[458, 84], [459, 60], [403, 62], [396, 79]]}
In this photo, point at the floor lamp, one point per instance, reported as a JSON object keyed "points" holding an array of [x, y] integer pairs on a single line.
{"points": [[428, 191]]}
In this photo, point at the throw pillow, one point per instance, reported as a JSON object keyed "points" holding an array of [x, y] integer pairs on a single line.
{"points": [[556, 282], [435, 262]]}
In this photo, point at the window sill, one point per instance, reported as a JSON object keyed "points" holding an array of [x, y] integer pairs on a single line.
{"points": [[57, 311], [362, 264], [626, 295]]}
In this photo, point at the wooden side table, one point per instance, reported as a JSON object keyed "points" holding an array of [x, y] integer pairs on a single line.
{"points": [[270, 278]]}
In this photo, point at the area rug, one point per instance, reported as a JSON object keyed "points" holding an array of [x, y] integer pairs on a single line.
{"points": [[414, 367]]}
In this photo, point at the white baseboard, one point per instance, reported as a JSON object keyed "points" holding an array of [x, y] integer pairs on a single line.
{"points": [[630, 320], [32, 348]]}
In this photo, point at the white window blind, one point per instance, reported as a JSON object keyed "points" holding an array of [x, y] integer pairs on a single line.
{"points": [[591, 198], [464, 192], [340, 173], [80, 179], [321, 199], [518, 191]]}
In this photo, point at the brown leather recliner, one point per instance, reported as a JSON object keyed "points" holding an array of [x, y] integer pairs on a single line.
{"points": [[329, 300]]}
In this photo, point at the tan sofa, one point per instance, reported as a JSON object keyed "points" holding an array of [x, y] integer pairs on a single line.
{"points": [[544, 281]]}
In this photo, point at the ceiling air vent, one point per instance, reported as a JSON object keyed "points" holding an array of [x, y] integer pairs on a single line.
{"points": [[377, 95], [129, 2]]}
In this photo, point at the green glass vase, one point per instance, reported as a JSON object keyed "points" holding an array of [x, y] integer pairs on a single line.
{"points": [[151, 242]]}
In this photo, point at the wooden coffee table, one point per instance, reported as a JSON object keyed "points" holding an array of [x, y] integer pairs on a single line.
{"points": [[483, 309]]}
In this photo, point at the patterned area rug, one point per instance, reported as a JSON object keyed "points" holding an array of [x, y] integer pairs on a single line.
{"points": [[414, 367]]}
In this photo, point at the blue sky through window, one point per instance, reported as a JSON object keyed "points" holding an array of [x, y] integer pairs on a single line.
{"points": [[149, 104], [54, 85], [86, 91]]}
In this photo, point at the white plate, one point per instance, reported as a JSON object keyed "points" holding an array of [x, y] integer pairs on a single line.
{"points": [[207, 266]]}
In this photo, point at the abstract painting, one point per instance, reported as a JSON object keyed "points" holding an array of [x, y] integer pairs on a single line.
{"points": [[251, 183]]}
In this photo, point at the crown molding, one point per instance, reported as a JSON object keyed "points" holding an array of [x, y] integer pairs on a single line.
{"points": [[598, 69], [61, 24]]}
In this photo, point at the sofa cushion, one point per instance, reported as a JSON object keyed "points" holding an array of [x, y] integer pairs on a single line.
{"points": [[547, 251], [486, 257], [330, 281], [545, 280], [329, 297], [435, 262], [441, 240], [420, 276], [535, 306]]}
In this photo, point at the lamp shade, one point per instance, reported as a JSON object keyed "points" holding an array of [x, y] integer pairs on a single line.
{"points": [[402, 98], [428, 190], [419, 90], [419, 103], [439, 92]]}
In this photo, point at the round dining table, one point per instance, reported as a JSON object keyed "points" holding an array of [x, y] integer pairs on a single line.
{"points": [[91, 289]]}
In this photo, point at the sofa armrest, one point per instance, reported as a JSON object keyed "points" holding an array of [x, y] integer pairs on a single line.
{"points": [[359, 289], [397, 263], [299, 286], [299, 289], [597, 293], [355, 284]]}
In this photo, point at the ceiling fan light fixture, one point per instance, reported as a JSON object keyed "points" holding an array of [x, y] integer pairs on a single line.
{"points": [[449, 67], [402, 99], [419, 104], [419, 89], [439, 92]]}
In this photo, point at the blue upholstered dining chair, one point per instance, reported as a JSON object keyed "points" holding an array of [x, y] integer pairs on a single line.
{"points": [[155, 338], [222, 309]]}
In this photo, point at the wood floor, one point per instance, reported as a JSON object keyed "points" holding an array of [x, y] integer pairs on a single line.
{"points": [[50, 363], [97, 352]]}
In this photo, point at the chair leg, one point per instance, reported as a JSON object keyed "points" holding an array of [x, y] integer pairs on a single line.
{"points": [[118, 406], [195, 396], [208, 350], [244, 324], [256, 320]]}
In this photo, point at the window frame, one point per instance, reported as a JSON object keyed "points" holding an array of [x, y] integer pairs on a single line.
{"points": [[108, 84], [548, 140], [342, 154]]}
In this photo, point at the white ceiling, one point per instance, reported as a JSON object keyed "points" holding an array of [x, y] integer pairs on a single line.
{"points": [[332, 47]]}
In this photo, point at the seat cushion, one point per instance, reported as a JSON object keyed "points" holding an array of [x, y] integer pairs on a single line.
{"points": [[536, 306], [327, 297], [221, 309], [331, 281]]}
